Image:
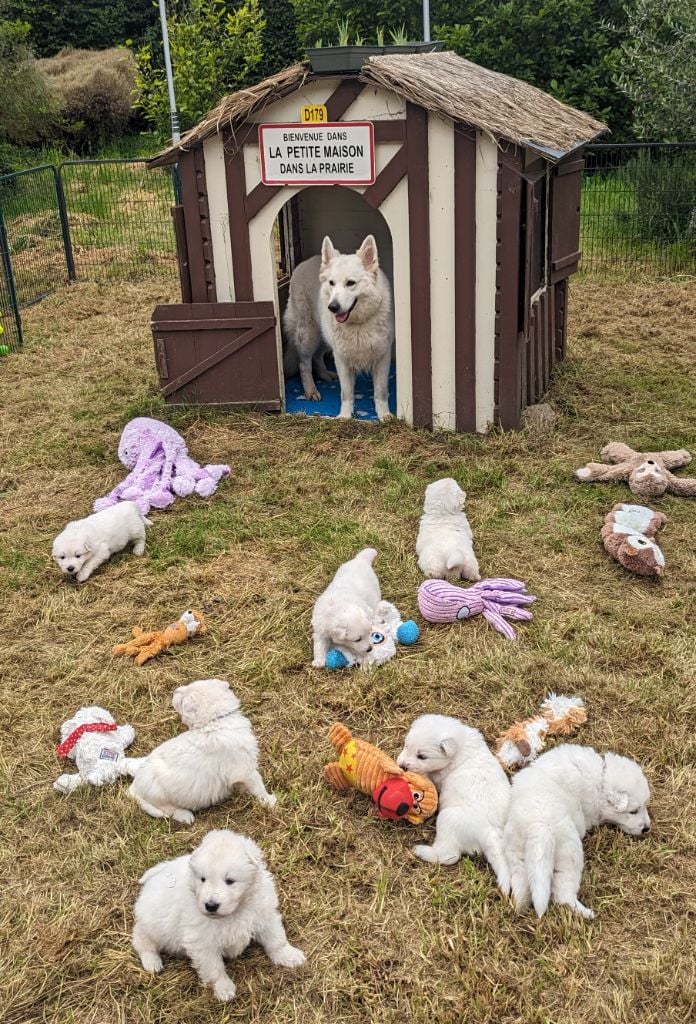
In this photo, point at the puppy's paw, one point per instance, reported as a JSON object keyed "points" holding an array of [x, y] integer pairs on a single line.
{"points": [[583, 911], [318, 663], [268, 800], [152, 962], [139, 549], [224, 989], [425, 853], [81, 576], [313, 396], [185, 817], [289, 956], [582, 474]]}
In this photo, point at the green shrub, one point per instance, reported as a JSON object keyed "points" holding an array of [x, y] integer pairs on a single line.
{"points": [[27, 109], [96, 91], [665, 195]]}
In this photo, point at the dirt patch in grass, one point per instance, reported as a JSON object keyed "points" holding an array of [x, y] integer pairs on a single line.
{"points": [[389, 939]]}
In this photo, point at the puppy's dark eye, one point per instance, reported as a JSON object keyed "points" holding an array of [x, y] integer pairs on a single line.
{"points": [[350, 284], [332, 283], [421, 757], [229, 881], [202, 878], [634, 812]]}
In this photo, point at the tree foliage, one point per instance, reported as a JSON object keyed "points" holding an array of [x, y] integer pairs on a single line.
{"points": [[214, 50], [656, 68], [280, 47], [566, 47], [83, 24]]}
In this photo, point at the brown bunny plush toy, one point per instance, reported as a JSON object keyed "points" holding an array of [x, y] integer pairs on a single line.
{"points": [[627, 535], [648, 473]]}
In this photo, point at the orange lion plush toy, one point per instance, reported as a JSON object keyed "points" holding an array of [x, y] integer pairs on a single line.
{"points": [[144, 646], [397, 795]]}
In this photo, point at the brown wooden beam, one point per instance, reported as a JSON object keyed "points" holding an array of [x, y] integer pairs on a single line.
{"points": [[419, 249], [343, 96], [507, 291], [239, 228], [387, 179]]}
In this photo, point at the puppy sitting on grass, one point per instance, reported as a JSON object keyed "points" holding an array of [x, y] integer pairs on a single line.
{"points": [[209, 905], [445, 543], [200, 767]]}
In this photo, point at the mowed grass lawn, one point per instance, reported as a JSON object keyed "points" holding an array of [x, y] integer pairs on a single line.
{"points": [[388, 938]]}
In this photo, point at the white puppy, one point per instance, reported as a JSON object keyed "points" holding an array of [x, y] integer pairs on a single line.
{"points": [[85, 543], [209, 905], [445, 541], [473, 791], [200, 767], [344, 613], [555, 801]]}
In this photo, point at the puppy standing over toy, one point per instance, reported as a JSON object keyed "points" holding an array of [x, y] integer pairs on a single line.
{"points": [[473, 791], [85, 544], [445, 542], [344, 613], [200, 767], [209, 905], [554, 803]]}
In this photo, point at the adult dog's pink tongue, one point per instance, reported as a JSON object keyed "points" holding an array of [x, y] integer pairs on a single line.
{"points": [[342, 317]]}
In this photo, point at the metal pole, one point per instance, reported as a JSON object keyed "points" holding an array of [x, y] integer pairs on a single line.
{"points": [[426, 21], [64, 222], [176, 134], [9, 278]]}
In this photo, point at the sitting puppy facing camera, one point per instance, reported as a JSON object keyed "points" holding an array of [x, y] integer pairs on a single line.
{"points": [[445, 542], [209, 905], [555, 801], [86, 543], [202, 766]]}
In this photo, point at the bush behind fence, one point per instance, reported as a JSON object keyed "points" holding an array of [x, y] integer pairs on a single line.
{"points": [[102, 220]]}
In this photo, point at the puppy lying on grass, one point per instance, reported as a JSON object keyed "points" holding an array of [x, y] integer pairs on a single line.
{"points": [[85, 544]]}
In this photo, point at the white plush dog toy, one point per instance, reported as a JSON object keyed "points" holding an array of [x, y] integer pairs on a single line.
{"points": [[96, 744], [388, 629]]}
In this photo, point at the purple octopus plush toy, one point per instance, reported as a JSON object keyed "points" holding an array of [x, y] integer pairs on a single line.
{"points": [[497, 600], [160, 468]]}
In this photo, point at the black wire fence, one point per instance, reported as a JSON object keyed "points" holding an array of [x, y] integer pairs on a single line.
{"points": [[638, 212], [102, 220]]}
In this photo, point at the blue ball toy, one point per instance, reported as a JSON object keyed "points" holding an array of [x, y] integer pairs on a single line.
{"points": [[336, 659], [408, 633]]}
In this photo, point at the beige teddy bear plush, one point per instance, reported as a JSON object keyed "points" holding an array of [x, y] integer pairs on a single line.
{"points": [[648, 473]]}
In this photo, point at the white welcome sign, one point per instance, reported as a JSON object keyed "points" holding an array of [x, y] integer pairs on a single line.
{"points": [[339, 153]]}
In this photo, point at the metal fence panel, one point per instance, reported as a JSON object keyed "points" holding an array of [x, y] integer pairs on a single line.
{"points": [[120, 218], [638, 213], [10, 321], [34, 232]]}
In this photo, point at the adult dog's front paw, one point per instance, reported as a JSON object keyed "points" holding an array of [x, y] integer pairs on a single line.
{"points": [[225, 989], [313, 396]]}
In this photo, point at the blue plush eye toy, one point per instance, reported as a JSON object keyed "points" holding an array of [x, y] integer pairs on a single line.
{"points": [[377, 638]]}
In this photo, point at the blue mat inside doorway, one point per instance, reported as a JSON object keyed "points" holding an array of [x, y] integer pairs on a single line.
{"points": [[330, 391]]}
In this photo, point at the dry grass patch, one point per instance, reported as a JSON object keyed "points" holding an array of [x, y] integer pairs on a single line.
{"points": [[389, 939]]}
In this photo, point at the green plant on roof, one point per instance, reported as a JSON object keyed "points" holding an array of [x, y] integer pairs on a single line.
{"points": [[399, 36], [343, 32], [380, 36]]}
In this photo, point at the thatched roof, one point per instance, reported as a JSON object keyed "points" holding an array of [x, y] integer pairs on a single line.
{"points": [[441, 82]]}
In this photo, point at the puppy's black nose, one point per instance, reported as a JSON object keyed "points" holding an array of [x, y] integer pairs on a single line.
{"points": [[71, 568], [212, 907], [334, 307], [646, 828]]}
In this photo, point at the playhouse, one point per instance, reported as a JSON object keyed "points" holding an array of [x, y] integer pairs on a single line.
{"points": [[468, 179]]}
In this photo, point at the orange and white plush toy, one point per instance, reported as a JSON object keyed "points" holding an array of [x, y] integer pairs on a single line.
{"points": [[144, 646], [397, 795], [523, 741]]}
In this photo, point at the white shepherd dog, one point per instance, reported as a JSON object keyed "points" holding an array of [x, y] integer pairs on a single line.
{"points": [[344, 301], [555, 801]]}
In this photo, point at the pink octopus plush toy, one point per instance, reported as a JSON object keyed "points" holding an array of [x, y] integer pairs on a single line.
{"points": [[160, 468]]}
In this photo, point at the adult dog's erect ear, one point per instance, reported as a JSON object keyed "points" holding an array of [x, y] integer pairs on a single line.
{"points": [[327, 251], [368, 254]]}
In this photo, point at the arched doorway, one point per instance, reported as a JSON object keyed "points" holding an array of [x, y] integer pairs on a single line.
{"points": [[301, 224]]}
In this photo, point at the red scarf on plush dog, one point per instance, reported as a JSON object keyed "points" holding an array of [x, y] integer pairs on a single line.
{"points": [[64, 748]]}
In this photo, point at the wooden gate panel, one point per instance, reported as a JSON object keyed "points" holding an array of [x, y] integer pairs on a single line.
{"points": [[221, 354]]}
